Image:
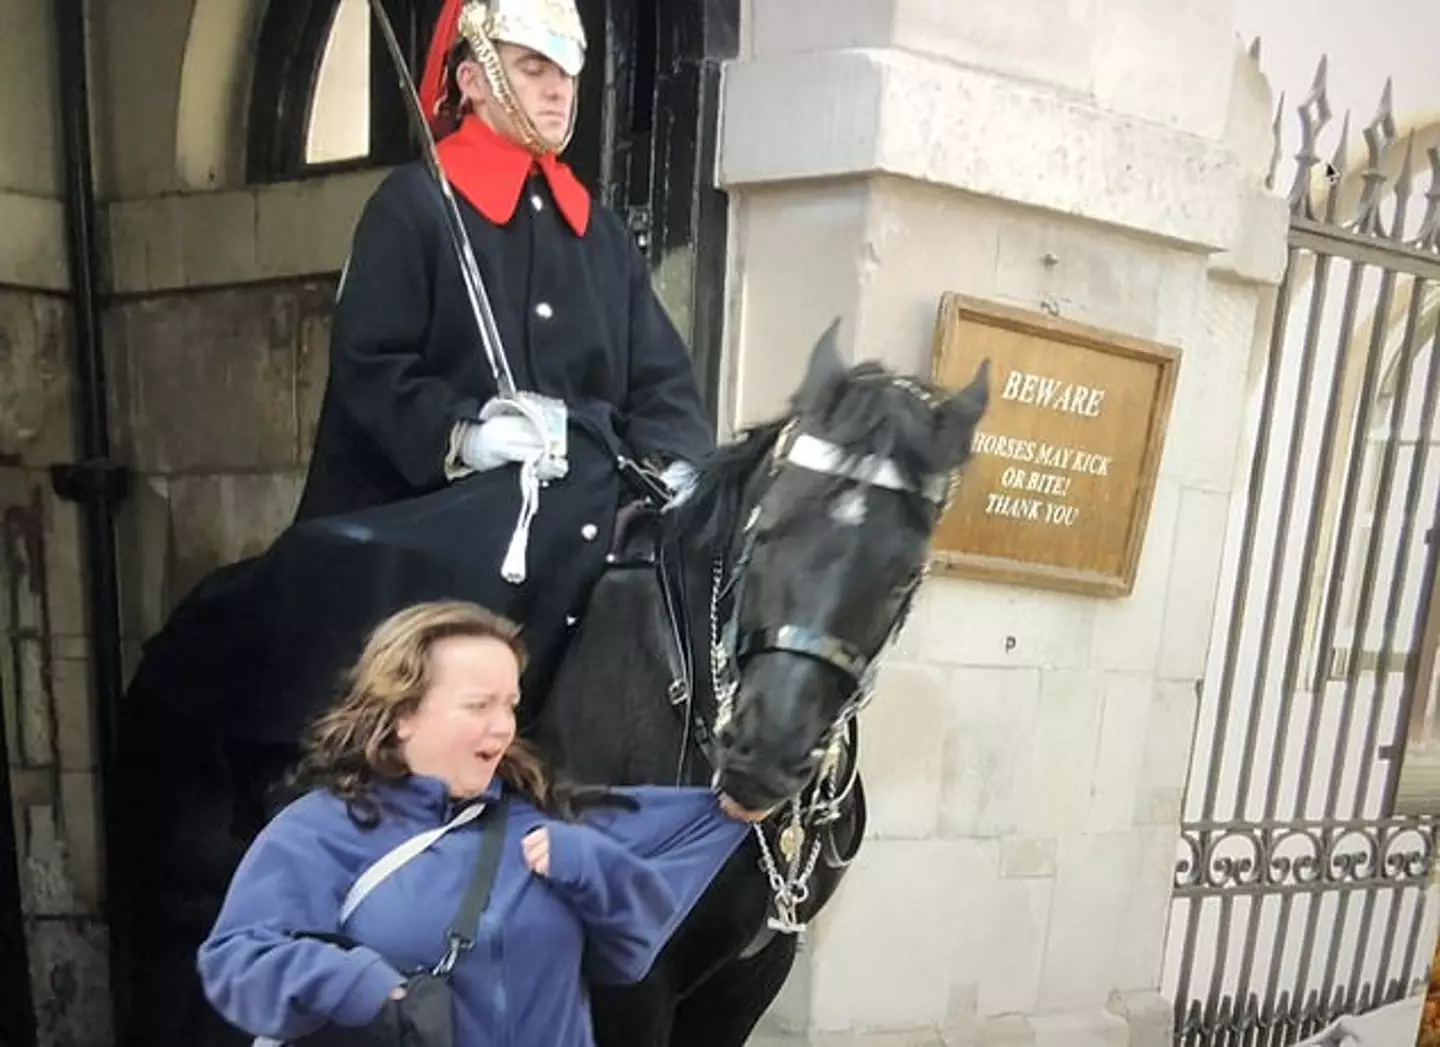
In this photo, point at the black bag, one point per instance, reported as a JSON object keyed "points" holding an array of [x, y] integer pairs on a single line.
{"points": [[425, 1016]]}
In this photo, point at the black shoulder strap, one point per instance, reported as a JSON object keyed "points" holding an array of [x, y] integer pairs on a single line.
{"points": [[461, 936]]}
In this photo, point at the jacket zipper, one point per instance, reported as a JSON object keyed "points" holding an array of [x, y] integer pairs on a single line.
{"points": [[499, 997]]}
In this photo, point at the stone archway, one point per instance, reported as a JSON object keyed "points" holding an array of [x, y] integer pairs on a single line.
{"points": [[214, 85]]}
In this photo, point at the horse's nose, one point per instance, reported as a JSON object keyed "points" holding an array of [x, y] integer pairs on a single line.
{"points": [[766, 763]]}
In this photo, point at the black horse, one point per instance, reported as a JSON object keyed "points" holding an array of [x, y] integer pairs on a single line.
{"points": [[741, 652], [733, 640]]}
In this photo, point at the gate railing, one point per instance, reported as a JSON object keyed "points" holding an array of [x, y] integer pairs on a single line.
{"points": [[1299, 893]]}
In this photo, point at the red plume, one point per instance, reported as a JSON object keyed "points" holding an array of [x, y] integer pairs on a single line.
{"points": [[432, 86]]}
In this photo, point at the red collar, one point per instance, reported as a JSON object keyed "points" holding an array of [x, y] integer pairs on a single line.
{"points": [[490, 171]]}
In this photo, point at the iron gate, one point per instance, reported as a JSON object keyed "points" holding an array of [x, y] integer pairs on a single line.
{"points": [[1299, 893]]}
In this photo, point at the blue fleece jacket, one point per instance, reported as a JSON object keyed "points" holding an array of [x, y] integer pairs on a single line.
{"points": [[620, 883]]}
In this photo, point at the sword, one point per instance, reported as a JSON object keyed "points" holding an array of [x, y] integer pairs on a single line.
{"points": [[459, 239]]}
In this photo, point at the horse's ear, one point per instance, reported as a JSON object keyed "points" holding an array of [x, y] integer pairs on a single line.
{"points": [[823, 374], [957, 418]]}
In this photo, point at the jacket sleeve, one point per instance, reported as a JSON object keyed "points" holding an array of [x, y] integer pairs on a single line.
{"points": [[260, 977], [635, 875], [381, 322], [665, 418]]}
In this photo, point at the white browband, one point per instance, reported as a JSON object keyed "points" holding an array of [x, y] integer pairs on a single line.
{"points": [[821, 456]]}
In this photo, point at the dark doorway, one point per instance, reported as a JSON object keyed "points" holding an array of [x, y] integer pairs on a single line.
{"points": [[17, 1009], [648, 139]]}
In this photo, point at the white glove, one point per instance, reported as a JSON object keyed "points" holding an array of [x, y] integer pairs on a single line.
{"points": [[495, 441], [679, 476]]}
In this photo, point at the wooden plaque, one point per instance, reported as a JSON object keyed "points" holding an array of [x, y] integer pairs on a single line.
{"points": [[1058, 492]]}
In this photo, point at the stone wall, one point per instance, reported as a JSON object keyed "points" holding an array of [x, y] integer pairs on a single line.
{"points": [[1026, 752], [214, 332], [45, 679], [44, 663], [216, 396], [216, 344]]}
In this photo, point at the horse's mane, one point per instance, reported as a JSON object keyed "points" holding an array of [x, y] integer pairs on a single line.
{"points": [[866, 413]]}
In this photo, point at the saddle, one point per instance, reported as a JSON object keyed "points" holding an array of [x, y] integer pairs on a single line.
{"points": [[636, 538], [638, 543]]}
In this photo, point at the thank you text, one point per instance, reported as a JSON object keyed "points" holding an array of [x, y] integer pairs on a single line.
{"points": [[1037, 477]]}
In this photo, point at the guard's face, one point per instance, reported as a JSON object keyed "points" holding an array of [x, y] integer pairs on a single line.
{"points": [[544, 92], [466, 720]]}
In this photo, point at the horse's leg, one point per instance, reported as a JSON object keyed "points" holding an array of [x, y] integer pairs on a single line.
{"points": [[175, 802], [254, 772], [639, 1015], [725, 1008], [189, 805]]}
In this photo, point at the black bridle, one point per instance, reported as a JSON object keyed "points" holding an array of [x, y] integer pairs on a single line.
{"points": [[803, 841], [732, 649]]}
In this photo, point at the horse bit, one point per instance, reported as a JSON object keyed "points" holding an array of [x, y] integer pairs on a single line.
{"points": [[821, 804]]}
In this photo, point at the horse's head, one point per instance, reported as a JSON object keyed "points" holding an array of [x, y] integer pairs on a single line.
{"points": [[831, 539]]}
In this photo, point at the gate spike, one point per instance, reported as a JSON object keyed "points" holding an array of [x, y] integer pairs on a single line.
{"points": [[1226, 1015], [1337, 1003], [1336, 169], [1379, 136], [1319, 88], [1248, 1017], [1428, 239], [1285, 1007], [1275, 128], [1314, 113], [1386, 112], [1194, 1021], [1404, 185]]}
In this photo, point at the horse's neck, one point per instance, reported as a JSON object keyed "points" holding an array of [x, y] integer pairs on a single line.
{"points": [[608, 718]]}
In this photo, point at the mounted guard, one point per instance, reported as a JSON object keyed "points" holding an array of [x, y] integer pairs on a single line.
{"points": [[491, 243], [502, 381]]}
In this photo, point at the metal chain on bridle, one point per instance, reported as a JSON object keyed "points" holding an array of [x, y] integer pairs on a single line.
{"points": [[815, 807], [822, 801]]}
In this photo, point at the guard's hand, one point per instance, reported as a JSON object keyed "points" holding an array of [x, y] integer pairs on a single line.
{"points": [[679, 476], [536, 846], [492, 443]]}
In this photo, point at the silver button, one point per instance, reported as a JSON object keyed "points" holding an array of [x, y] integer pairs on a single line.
{"points": [[544, 311], [536, 202], [570, 620], [588, 532]]}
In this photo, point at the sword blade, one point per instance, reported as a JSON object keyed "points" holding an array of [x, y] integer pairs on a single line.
{"points": [[454, 224]]}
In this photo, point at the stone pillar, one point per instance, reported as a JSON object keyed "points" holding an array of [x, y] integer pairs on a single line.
{"points": [[45, 695], [1103, 161]]}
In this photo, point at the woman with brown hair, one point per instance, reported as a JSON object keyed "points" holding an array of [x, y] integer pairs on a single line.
{"points": [[418, 783]]}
